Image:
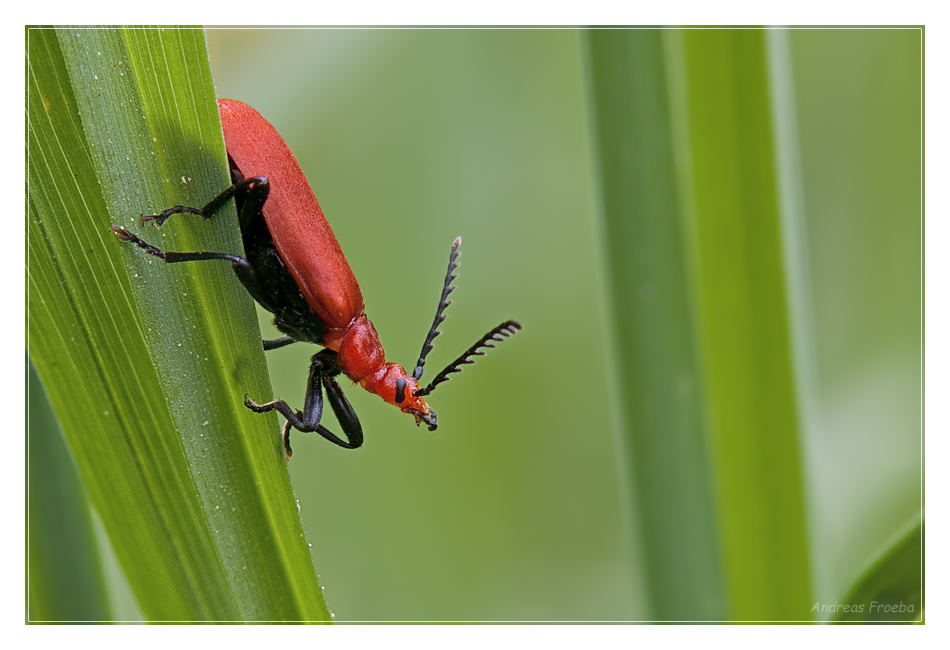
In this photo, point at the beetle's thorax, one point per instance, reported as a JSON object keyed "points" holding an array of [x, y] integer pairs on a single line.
{"points": [[359, 352]]}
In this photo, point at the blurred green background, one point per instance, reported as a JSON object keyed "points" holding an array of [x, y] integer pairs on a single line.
{"points": [[513, 508], [860, 111], [519, 507]]}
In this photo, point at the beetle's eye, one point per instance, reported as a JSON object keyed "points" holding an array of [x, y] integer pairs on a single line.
{"points": [[400, 390]]}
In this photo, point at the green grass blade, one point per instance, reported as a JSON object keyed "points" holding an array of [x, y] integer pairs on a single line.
{"points": [[697, 263], [146, 364], [657, 360], [65, 580], [891, 588], [744, 325]]}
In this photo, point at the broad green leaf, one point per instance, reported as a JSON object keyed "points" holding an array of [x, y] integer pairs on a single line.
{"points": [[891, 587], [146, 364]]}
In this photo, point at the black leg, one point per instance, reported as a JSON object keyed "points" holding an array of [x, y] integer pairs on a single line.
{"points": [[278, 343], [255, 189], [344, 412], [322, 369], [242, 268], [250, 194]]}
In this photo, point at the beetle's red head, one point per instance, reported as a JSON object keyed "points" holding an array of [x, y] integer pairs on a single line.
{"points": [[398, 388], [361, 358]]}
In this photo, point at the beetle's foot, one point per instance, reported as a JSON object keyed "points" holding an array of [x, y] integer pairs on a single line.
{"points": [[123, 234], [254, 406], [161, 217]]}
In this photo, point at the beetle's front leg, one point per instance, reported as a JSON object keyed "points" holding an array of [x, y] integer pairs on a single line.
{"points": [[322, 370], [345, 414], [278, 343]]}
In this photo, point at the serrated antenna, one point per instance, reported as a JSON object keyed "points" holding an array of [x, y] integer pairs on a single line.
{"points": [[444, 302], [497, 334]]}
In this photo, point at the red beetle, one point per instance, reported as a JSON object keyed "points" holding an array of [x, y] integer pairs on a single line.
{"points": [[295, 269]]}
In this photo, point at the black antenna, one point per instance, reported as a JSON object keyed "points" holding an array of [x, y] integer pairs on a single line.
{"points": [[507, 328], [443, 303]]}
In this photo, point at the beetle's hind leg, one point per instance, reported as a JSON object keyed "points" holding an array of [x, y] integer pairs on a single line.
{"points": [[242, 268], [171, 258]]}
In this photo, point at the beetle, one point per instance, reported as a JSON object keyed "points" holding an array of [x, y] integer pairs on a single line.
{"points": [[295, 269]]}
